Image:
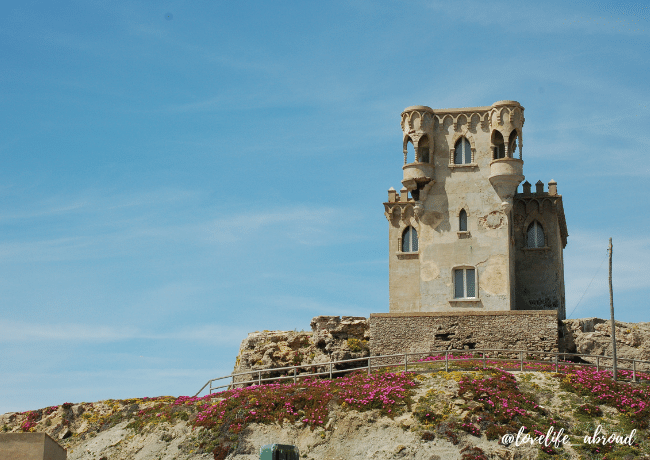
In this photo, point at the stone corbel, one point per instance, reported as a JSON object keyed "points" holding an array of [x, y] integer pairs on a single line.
{"points": [[418, 210], [506, 206], [425, 191]]}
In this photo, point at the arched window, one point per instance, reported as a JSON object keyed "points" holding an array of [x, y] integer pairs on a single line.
{"points": [[410, 240], [423, 150], [499, 145], [410, 152], [462, 221], [462, 152], [512, 147], [535, 235], [464, 283]]}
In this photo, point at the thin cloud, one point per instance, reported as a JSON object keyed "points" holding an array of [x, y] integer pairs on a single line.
{"points": [[24, 332], [539, 18]]}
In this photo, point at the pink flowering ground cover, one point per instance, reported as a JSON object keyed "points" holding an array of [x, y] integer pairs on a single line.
{"points": [[493, 403], [475, 361], [631, 400], [226, 414]]}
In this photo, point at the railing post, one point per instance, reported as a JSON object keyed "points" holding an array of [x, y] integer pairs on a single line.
{"points": [[483, 359], [634, 370], [446, 361], [597, 363], [330, 370], [556, 368], [259, 377], [294, 375], [368, 365], [521, 361], [406, 357]]}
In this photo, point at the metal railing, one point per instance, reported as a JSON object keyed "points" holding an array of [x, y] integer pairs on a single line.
{"points": [[381, 362]]}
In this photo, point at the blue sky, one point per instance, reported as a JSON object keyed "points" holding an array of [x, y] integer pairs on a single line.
{"points": [[176, 174]]}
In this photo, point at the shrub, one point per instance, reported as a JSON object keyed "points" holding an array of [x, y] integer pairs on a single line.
{"points": [[589, 410], [221, 451], [473, 453], [357, 345]]}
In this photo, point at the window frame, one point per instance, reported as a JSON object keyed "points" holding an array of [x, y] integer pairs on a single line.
{"points": [[462, 220], [412, 242], [464, 280], [465, 153], [537, 228]]}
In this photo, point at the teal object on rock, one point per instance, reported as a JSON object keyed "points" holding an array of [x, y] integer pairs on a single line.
{"points": [[279, 452]]}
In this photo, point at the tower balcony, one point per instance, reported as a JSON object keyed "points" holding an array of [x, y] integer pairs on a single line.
{"points": [[417, 174], [505, 175]]}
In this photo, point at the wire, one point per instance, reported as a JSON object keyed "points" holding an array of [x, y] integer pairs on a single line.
{"points": [[592, 280]]}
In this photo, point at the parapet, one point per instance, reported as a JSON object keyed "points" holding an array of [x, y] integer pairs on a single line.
{"points": [[541, 196]]}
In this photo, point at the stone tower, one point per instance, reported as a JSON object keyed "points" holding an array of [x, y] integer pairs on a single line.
{"points": [[460, 236]]}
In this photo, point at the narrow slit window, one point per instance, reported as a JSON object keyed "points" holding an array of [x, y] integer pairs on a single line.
{"points": [[462, 152], [462, 221]]}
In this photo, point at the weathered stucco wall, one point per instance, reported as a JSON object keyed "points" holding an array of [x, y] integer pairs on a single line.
{"points": [[30, 446], [425, 332]]}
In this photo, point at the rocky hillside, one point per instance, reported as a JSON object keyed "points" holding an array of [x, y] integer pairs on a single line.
{"points": [[594, 336], [426, 416]]}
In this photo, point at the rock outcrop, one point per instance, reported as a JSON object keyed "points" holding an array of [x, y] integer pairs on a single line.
{"points": [[332, 338], [594, 336]]}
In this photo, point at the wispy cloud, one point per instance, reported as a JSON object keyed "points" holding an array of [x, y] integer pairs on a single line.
{"points": [[542, 19], [29, 332], [110, 225]]}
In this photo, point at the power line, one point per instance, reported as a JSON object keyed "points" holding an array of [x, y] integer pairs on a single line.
{"points": [[592, 280]]}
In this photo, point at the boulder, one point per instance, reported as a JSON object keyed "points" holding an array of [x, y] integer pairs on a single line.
{"points": [[332, 338], [594, 336]]}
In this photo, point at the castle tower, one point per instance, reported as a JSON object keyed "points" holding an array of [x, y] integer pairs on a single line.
{"points": [[452, 235]]}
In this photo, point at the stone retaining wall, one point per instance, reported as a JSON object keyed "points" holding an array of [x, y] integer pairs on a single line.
{"points": [[392, 333]]}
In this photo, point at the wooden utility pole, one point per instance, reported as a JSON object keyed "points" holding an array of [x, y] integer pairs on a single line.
{"points": [[611, 308]]}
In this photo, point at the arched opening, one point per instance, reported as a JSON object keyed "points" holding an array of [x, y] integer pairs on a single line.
{"points": [[410, 152], [512, 143], [498, 145], [535, 235], [462, 221], [423, 150], [410, 240], [462, 152]]}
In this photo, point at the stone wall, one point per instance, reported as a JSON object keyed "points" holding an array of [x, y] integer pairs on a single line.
{"points": [[30, 446], [424, 332]]}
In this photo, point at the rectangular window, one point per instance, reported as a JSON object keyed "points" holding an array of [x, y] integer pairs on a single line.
{"points": [[470, 282], [459, 285], [464, 283]]}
